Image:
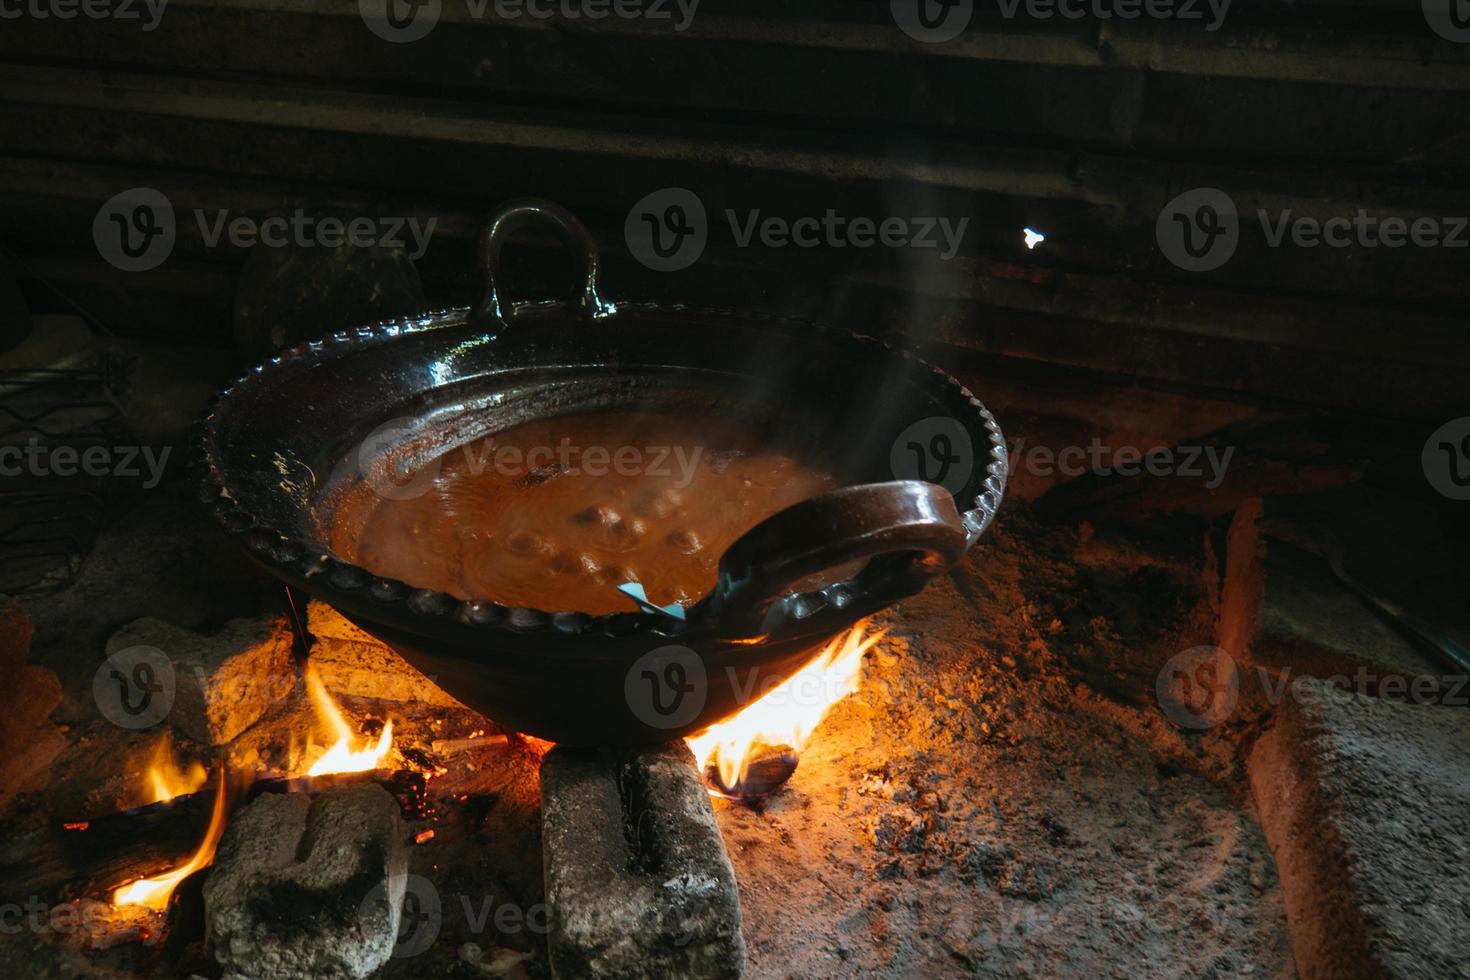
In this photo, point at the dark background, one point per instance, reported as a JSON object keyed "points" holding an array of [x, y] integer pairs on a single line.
{"points": [[1082, 129]]}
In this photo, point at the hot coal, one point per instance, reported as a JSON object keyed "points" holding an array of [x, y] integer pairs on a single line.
{"points": [[411, 790]]}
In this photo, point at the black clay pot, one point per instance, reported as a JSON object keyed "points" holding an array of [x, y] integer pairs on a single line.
{"points": [[281, 438]]}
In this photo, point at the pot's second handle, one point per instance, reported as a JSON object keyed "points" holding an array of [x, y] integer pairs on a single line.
{"points": [[517, 214], [913, 523]]}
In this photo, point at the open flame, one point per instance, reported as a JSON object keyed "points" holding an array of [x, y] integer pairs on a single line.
{"points": [[166, 780], [346, 755], [789, 713], [154, 892]]}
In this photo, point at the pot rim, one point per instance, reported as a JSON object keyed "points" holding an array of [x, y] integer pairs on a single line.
{"points": [[310, 561]]}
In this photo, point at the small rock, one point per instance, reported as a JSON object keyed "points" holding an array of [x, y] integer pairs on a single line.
{"points": [[304, 889]]}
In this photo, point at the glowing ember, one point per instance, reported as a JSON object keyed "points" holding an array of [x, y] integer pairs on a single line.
{"points": [[154, 892], [167, 780], [787, 716], [345, 755]]}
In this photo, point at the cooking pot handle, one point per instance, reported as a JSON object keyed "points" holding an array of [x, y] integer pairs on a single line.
{"points": [[517, 214], [911, 529]]}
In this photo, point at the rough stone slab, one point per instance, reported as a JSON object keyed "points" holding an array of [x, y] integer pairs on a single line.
{"points": [[637, 877], [1366, 807], [224, 682], [303, 889], [1286, 613], [354, 663], [27, 698]]}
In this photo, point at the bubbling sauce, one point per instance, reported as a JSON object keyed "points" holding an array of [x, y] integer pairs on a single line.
{"points": [[556, 514]]}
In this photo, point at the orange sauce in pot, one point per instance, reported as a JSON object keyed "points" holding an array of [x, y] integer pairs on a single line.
{"points": [[555, 514]]}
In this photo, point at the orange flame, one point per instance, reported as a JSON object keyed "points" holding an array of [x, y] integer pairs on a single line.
{"points": [[167, 779], [343, 756], [789, 713], [154, 892]]}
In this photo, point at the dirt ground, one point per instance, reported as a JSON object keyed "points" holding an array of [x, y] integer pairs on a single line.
{"points": [[1002, 798], [983, 808]]}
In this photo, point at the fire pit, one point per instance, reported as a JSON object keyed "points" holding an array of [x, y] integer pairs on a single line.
{"points": [[531, 630], [302, 453]]}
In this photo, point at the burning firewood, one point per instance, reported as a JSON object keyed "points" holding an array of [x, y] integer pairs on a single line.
{"points": [[751, 755], [765, 771], [87, 856]]}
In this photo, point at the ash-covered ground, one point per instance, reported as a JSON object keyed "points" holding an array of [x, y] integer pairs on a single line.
{"points": [[1002, 798]]}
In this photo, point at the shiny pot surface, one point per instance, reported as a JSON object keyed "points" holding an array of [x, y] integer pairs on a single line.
{"points": [[283, 443]]}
